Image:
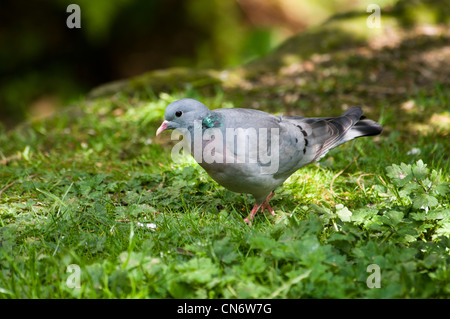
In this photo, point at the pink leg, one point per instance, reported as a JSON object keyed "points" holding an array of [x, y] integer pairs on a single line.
{"points": [[252, 214], [264, 206]]}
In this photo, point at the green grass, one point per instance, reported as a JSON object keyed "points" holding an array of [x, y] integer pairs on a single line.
{"points": [[92, 187], [91, 197]]}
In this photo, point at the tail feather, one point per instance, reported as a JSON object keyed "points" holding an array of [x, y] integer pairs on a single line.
{"points": [[367, 128], [336, 131]]}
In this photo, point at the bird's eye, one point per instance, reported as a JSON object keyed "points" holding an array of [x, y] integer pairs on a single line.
{"points": [[178, 113]]}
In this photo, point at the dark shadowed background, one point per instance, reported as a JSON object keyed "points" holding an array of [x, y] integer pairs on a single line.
{"points": [[45, 65]]}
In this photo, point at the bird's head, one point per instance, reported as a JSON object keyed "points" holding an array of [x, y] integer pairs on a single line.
{"points": [[182, 114]]}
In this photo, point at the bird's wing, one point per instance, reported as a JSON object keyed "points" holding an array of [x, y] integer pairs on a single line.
{"points": [[316, 136]]}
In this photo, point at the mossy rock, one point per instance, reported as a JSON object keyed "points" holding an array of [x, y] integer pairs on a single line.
{"points": [[162, 80]]}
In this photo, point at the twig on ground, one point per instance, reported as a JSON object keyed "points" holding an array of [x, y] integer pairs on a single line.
{"points": [[11, 184], [358, 181], [338, 174], [6, 160]]}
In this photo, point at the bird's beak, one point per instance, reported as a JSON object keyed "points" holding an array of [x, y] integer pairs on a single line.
{"points": [[162, 127]]}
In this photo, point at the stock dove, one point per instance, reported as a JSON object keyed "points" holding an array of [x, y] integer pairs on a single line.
{"points": [[251, 151]]}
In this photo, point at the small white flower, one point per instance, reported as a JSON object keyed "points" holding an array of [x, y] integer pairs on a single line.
{"points": [[149, 226], [414, 151]]}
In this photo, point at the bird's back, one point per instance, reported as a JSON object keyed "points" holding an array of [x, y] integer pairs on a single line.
{"points": [[263, 150]]}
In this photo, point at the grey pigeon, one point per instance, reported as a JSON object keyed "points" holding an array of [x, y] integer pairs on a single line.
{"points": [[251, 151]]}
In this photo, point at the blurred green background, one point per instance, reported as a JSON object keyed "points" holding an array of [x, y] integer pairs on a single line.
{"points": [[44, 65]]}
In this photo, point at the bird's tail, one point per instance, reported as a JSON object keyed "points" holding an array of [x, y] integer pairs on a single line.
{"points": [[336, 131]]}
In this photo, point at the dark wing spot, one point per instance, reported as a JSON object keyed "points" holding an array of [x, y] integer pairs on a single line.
{"points": [[296, 140], [306, 142], [304, 150], [304, 133]]}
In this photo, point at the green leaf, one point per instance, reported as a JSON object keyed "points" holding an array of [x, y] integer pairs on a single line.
{"points": [[425, 200], [198, 270], [179, 289], [224, 251], [400, 175], [394, 217], [262, 242], [363, 215], [444, 230], [254, 265], [420, 170], [344, 214], [412, 188], [287, 285], [442, 189]]}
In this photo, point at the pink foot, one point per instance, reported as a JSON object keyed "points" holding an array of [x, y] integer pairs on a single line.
{"points": [[264, 206], [249, 218]]}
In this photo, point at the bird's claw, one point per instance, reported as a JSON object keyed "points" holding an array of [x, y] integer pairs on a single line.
{"points": [[267, 207]]}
